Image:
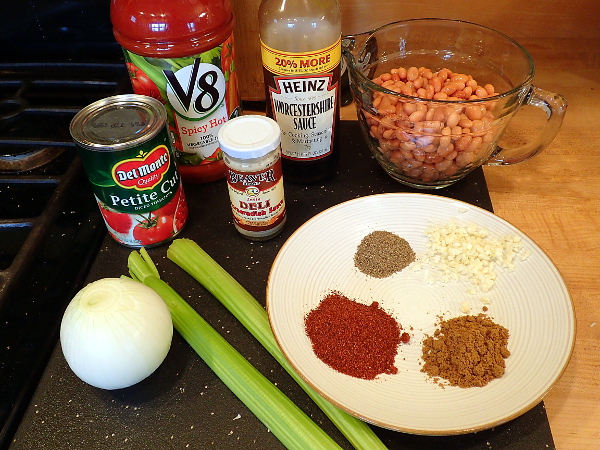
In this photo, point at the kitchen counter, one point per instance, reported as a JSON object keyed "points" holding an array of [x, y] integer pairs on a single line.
{"points": [[553, 198]]}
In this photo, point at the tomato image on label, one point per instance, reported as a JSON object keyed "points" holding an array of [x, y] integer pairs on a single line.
{"points": [[163, 223], [142, 84], [119, 222], [176, 208], [154, 229]]}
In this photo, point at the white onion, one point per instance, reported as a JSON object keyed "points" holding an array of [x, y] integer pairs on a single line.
{"points": [[115, 333]]}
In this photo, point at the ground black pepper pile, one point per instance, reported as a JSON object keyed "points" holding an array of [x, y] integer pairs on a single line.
{"points": [[355, 339], [381, 254]]}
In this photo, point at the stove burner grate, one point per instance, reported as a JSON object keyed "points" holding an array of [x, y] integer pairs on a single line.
{"points": [[37, 102], [50, 226]]}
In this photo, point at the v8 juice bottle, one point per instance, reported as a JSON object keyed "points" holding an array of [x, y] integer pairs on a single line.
{"points": [[182, 53], [301, 53]]}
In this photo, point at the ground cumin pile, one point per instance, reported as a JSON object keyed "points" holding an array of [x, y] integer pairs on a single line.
{"points": [[355, 339], [381, 254], [466, 351]]}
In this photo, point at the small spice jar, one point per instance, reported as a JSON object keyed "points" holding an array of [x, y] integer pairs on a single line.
{"points": [[252, 154]]}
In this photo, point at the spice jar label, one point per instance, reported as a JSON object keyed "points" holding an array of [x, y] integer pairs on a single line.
{"points": [[256, 197]]}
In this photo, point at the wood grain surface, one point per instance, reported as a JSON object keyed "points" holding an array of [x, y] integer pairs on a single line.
{"points": [[555, 197]]}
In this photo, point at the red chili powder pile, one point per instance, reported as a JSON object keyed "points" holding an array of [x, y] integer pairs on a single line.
{"points": [[355, 339]]}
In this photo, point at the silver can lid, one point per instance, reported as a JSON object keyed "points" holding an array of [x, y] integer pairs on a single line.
{"points": [[250, 136], [118, 122]]}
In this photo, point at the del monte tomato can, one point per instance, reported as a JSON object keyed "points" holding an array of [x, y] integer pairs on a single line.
{"points": [[124, 145]]}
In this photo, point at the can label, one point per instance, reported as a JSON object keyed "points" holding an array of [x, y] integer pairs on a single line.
{"points": [[139, 192], [137, 187], [200, 93], [257, 198]]}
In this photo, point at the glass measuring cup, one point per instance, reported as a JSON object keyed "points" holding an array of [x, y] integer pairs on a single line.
{"points": [[434, 96]]}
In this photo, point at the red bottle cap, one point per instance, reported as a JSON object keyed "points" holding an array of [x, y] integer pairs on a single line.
{"points": [[171, 28]]}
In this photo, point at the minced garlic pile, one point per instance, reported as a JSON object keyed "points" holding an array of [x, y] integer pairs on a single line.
{"points": [[467, 252]]}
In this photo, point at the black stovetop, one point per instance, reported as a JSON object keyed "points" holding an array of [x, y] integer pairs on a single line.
{"points": [[50, 226], [60, 56]]}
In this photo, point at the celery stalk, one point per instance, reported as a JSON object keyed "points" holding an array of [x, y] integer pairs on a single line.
{"points": [[194, 260], [274, 409]]}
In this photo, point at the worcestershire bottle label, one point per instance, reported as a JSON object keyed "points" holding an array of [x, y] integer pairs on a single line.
{"points": [[304, 109], [303, 95]]}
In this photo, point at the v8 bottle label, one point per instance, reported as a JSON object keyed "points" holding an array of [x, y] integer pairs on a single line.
{"points": [[196, 93], [199, 92]]}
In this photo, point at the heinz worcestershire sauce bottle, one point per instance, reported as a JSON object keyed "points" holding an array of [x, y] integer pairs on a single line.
{"points": [[301, 53]]}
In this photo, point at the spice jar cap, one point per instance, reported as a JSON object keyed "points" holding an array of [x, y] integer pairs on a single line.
{"points": [[249, 136]]}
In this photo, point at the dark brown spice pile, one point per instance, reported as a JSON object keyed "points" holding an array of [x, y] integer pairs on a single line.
{"points": [[354, 339], [381, 254], [466, 351]]}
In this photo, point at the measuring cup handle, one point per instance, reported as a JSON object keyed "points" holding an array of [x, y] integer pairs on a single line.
{"points": [[555, 106]]}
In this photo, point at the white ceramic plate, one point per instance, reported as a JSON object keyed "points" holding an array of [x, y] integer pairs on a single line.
{"points": [[532, 302]]}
